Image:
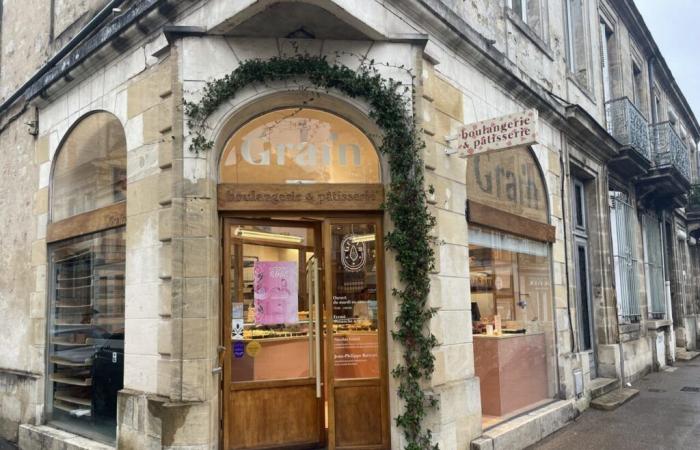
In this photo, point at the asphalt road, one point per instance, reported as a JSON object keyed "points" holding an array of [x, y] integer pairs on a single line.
{"points": [[660, 417]]}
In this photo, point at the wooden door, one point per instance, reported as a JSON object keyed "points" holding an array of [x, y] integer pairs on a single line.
{"points": [[356, 369], [272, 378]]}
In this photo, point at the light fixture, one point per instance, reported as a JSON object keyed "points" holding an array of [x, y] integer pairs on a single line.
{"points": [[300, 181], [264, 235], [363, 238]]}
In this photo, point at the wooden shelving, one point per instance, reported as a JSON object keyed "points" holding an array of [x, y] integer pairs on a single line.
{"points": [[74, 381]]}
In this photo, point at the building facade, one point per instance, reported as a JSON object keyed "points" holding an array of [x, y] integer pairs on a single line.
{"points": [[242, 296]]}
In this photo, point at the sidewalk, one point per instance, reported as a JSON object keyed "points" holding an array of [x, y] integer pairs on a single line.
{"points": [[660, 417], [5, 445]]}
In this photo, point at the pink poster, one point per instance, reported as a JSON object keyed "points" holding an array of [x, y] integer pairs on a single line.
{"points": [[276, 292]]}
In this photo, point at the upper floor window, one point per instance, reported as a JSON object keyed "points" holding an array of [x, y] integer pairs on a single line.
{"points": [[530, 12], [638, 88], [673, 119], [90, 169], [577, 41], [607, 51], [299, 145]]}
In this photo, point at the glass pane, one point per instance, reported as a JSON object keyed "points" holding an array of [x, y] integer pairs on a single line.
{"points": [[86, 329], [271, 328], [90, 169], [299, 145], [354, 297], [579, 205], [582, 266], [511, 304]]}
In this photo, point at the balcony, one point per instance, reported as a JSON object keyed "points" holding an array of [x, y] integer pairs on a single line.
{"points": [[693, 211], [666, 184], [629, 127]]}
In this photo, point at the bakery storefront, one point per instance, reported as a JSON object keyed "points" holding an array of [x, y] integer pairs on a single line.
{"points": [[511, 283], [304, 330]]}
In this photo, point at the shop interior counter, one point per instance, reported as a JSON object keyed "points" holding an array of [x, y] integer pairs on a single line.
{"points": [[512, 371], [270, 358]]}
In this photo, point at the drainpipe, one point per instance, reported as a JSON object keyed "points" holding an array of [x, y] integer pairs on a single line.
{"points": [[77, 39]]}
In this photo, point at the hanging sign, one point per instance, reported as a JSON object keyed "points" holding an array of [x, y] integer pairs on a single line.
{"points": [[276, 292], [498, 133]]}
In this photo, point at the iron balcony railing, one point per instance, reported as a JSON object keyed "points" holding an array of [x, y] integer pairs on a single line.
{"points": [[628, 125], [669, 149]]}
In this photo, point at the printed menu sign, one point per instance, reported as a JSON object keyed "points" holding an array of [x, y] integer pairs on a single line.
{"points": [[276, 292]]}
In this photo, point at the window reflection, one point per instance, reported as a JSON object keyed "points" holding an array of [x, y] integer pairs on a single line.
{"points": [[90, 169], [299, 145]]}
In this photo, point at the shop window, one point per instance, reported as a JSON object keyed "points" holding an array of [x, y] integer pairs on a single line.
{"points": [[511, 304], [86, 279], [299, 146], [625, 261], [577, 41]]}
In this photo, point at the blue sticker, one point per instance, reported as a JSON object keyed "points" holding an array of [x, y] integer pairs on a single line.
{"points": [[238, 349]]}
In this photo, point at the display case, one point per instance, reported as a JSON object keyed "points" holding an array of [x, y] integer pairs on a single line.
{"points": [[86, 330]]}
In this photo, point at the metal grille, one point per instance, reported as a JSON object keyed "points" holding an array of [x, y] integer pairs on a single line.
{"points": [[624, 257], [654, 266], [628, 125], [669, 149]]}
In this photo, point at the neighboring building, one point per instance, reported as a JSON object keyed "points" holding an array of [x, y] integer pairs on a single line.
{"points": [[135, 292]]}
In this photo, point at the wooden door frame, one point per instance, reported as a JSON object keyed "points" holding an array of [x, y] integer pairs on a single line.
{"points": [[321, 222], [377, 220], [226, 222]]}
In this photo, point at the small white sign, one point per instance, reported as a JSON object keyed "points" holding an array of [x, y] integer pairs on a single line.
{"points": [[498, 133], [237, 329]]}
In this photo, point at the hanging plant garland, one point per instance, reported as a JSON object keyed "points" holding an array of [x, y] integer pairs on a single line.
{"points": [[410, 240]]}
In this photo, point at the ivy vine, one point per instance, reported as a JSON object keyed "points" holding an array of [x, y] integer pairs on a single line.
{"points": [[406, 203]]}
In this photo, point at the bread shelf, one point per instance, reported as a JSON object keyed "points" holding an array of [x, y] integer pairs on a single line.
{"points": [[72, 409], [72, 399], [75, 381], [64, 362]]}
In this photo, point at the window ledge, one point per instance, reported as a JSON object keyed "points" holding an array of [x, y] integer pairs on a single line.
{"points": [[655, 324], [50, 437], [529, 33]]}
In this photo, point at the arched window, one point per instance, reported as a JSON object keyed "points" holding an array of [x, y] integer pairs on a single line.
{"points": [[86, 275], [90, 169], [299, 145]]}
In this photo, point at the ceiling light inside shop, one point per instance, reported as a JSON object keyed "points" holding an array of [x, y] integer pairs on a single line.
{"points": [[263, 235], [363, 238]]}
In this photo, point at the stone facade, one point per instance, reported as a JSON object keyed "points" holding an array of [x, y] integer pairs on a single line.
{"points": [[471, 61]]}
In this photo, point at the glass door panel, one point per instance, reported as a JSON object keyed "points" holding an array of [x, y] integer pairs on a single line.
{"points": [[272, 366], [354, 301], [271, 327]]}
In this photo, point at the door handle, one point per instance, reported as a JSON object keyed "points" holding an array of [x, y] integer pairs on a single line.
{"points": [[317, 325], [216, 370]]}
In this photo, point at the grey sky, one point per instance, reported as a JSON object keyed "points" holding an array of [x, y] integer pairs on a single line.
{"points": [[676, 30]]}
